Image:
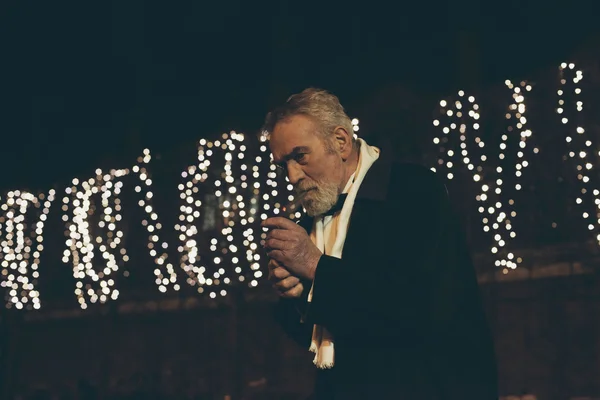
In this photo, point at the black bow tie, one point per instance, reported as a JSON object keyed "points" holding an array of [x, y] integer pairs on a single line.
{"points": [[338, 205]]}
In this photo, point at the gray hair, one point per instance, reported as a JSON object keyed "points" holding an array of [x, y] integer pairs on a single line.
{"points": [[320, 105]]}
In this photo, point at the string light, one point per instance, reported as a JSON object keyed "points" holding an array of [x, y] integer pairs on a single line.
{"points": [[85, 238], [514, 139], [462, 117], [20, 251], [224, 196], [189, 212], [164, 271], [355, 127], [282, 191], [236, 193], [578, 142]]}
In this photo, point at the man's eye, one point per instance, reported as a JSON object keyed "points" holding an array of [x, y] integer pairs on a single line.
{"points": [[300, 157]]}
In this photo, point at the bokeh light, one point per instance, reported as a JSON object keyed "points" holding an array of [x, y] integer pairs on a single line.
{"points": [[22, 242], [580, 145], [92, 215], [164, 271], [462, 144], [234, 185]]}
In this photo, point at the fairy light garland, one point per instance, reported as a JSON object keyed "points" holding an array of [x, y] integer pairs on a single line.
{"points": [[20, 251], [94, 245], [579, 143], [250, 241], [237, 192], [461, 120], [189, 212], [227, 191], [281, 190], [212, 263], [355, 127], [164, 271], [461, 115], [513, 139]]}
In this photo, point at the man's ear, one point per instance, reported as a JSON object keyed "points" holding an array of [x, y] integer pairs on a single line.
{"points": [[343, 142]]}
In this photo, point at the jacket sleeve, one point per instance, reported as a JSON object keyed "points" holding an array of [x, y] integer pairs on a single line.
{"points": [[460, 342], [288, 313]]}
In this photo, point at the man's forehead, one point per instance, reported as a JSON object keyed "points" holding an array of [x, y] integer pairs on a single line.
{"points": [[291, 136]]}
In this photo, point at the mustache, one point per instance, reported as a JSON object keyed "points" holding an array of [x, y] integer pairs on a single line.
{"points": [[299, 190]]}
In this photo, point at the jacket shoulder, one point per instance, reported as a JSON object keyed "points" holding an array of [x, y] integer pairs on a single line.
{"points": [[411, 169], [414, 176]]}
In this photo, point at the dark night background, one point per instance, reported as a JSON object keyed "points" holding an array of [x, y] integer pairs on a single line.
{"points": [[84, 84], [87, 85]]}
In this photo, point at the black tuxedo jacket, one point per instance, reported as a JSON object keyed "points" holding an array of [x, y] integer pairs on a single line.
{"points": [[403, 303]]}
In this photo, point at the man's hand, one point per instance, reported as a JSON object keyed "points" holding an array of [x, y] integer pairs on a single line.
{"points": [[285, 284], [289, 244]]}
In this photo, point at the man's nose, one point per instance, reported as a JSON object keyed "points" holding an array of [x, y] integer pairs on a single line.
{"points": [[295, 173]]}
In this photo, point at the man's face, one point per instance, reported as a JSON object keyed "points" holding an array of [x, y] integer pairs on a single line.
{"points": [[313, 168]]}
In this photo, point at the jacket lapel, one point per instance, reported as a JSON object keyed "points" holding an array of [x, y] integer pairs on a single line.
{"points": [[376, 182], [306, 222]]}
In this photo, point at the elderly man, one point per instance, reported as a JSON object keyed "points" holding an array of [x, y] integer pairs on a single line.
{"points": [[376, 279]]}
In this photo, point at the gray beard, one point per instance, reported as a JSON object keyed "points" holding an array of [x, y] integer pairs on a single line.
{"points": [[321, 200]]}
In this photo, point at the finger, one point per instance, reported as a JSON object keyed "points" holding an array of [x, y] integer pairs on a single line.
{"points": [[281, 234], [274, 264], [272, 268], [276, 273], [277, 244], [294, 292], [280, 223], [277, 255], [279, 273], [287, 283]]}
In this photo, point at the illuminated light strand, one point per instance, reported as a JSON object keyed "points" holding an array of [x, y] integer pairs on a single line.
{"points": [[227, 191], [463, 118], [275, 178], [278, 192], [501, 222], [242, 207], [281, 190], [10, 221], [230, 196], [456, 122], [355, 127], [83, 239], [495, 217], [250, 241], [164, 271], [579, 143], [189, 212], [20, 252]]}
